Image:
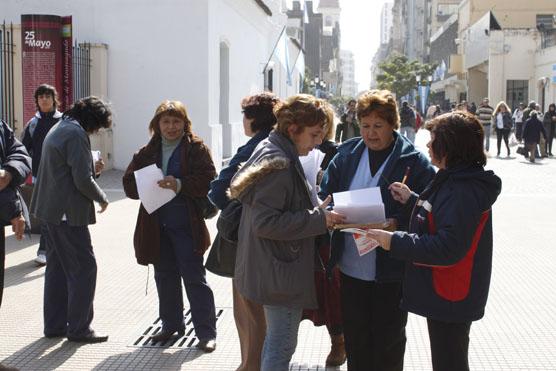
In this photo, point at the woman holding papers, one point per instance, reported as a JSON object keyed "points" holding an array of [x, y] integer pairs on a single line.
{"points": [[448, 249], [374, 325], [174, 237], [279, 223]]}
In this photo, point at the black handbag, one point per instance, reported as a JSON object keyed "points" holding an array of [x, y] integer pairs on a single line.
{"points": [[205, 207], [221, 259]]}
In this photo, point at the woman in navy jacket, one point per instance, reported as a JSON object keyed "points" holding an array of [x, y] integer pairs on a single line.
{"points": [[448, 249], [374, 326]]}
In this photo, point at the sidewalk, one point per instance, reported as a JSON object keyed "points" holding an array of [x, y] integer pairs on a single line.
{"points": [[517, 333]]}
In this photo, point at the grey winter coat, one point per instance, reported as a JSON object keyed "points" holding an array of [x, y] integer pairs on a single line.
{"points": [[279, 223]]}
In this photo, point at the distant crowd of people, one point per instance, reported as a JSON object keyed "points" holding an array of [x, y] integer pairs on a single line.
{"points": [[279, 237]]}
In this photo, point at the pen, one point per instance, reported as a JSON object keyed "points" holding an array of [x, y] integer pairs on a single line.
{"points": [[407, 170]]}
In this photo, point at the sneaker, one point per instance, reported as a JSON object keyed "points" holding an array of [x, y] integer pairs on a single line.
{"points": [[40, 259]]}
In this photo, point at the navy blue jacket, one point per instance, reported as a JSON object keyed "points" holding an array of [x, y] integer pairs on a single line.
{"points": [[340, 173], [219, 186], [448, 250], [533, 129]]}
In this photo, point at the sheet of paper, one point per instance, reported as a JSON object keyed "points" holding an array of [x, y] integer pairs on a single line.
{"points": [[311, 166], [151, 195], [364, 243], [360, 206], [96, 155]]}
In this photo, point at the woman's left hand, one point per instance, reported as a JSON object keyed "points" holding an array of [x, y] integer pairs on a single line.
{"points": [[169, 182], [383, 237]]}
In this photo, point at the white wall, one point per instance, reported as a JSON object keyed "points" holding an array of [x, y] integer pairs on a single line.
{"points": [[169, 49], [545, 60]]}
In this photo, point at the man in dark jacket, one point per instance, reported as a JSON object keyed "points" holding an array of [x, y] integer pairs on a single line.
{"points": [[407, 122], [63, 199], [47, 115], [15, 167], [348, 127], [532, 134]]}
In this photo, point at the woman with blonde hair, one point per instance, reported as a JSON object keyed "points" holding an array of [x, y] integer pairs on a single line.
{"points": [[174, 237], [279, 222], [503, 119]]}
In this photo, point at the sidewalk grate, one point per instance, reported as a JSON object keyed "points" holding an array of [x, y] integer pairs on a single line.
{"points": [[188, 340]]}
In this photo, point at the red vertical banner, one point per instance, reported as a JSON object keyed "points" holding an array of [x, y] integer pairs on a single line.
{"points": [[42, 56], [66, 98]]}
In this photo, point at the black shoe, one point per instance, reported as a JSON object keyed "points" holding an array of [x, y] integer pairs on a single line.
{"points": [[165, 335], [54, 335], [207, 346], [92, 337]]}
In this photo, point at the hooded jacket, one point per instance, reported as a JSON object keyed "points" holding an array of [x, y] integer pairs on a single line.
{"points": [[448, 250], [276, 240], [34, 133]]}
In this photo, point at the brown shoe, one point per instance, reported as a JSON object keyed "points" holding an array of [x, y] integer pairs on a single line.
{"points": [[337, 355]]}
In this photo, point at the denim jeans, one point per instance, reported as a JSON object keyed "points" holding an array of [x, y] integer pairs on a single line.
{"points": [[282, 325]]}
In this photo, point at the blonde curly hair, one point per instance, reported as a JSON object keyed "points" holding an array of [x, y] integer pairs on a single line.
{"points": [[302, 110], [381, 102]]}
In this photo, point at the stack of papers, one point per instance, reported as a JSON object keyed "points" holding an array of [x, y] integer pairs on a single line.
{"points": [[361, 206]]}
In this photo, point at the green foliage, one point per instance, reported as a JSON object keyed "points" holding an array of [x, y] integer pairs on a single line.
{"points": [[398, 74]]}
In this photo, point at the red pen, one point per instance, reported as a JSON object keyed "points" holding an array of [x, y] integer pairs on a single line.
{"points": [[407, 170]]}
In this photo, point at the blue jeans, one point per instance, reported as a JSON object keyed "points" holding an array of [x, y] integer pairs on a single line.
{"points": [[282, 325]]}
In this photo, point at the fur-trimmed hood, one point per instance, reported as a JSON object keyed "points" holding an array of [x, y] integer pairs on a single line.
{"points": [[253, 173]]}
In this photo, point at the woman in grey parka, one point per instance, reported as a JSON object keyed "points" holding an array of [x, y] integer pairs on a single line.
{"points": [[279, 223]]}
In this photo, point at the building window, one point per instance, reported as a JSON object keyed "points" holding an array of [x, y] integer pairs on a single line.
{"points": [[517, 91], [446, 9]]}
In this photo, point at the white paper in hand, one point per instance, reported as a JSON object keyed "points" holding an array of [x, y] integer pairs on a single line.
{"points": [[360, 206], [364, 243], [151, 195]]}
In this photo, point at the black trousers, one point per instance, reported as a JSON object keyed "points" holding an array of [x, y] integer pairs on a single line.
{"points": [[2, 261], [449, 345], [374, 324], [69, 281], [502, 134]]}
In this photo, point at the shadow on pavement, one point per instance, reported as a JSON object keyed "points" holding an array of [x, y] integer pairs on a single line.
{"points": [[149, 359], [14, 245], [21, 273], [39, 356]]}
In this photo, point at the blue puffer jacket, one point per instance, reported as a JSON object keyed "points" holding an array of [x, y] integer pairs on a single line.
{"points": [[219, 186], [449, 248], [338, 177]]}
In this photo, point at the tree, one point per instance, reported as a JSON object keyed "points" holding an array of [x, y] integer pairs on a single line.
{"points": [[398, 74]]}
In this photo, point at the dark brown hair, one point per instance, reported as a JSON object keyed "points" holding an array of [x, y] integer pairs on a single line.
{"points": [[458, 137], [171, 108], [48, 90], [260, 108], [91, 113], [382, 103], [303, 110]]}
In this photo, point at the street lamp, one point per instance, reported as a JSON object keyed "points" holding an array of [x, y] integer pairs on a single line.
{"points": [[319, 86]]}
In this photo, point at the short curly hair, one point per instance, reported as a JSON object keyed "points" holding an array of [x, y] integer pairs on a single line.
{"points": [[303, 110], [260, 108], [173, 108], [91, 113], [381, 102], [458, 137]]}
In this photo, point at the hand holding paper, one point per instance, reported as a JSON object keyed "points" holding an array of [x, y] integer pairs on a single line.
{"points": [[364, 243], [384, 238], [151, 194], [360, 206]]}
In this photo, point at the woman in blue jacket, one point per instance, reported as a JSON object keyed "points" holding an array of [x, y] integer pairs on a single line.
{"points": [[448, 249], [258, 121], [374, 326]]}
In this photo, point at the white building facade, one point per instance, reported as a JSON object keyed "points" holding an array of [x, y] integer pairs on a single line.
{"points": [[349, 86], [208, 54], [386, 19]]}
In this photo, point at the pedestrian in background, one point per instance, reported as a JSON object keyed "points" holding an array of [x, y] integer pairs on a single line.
{"points": [[448, 248], [47, 115], [532, 134], [407, 122], [503, 121], [374, 325], [258, 121], [279, 222], [549, 123], [174, 237], [348, 127], [63, 199], [473, 108], [485, 118], [518, 121]]}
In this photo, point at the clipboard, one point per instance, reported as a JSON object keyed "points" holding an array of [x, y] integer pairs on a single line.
{"points": [[389, 224]]}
